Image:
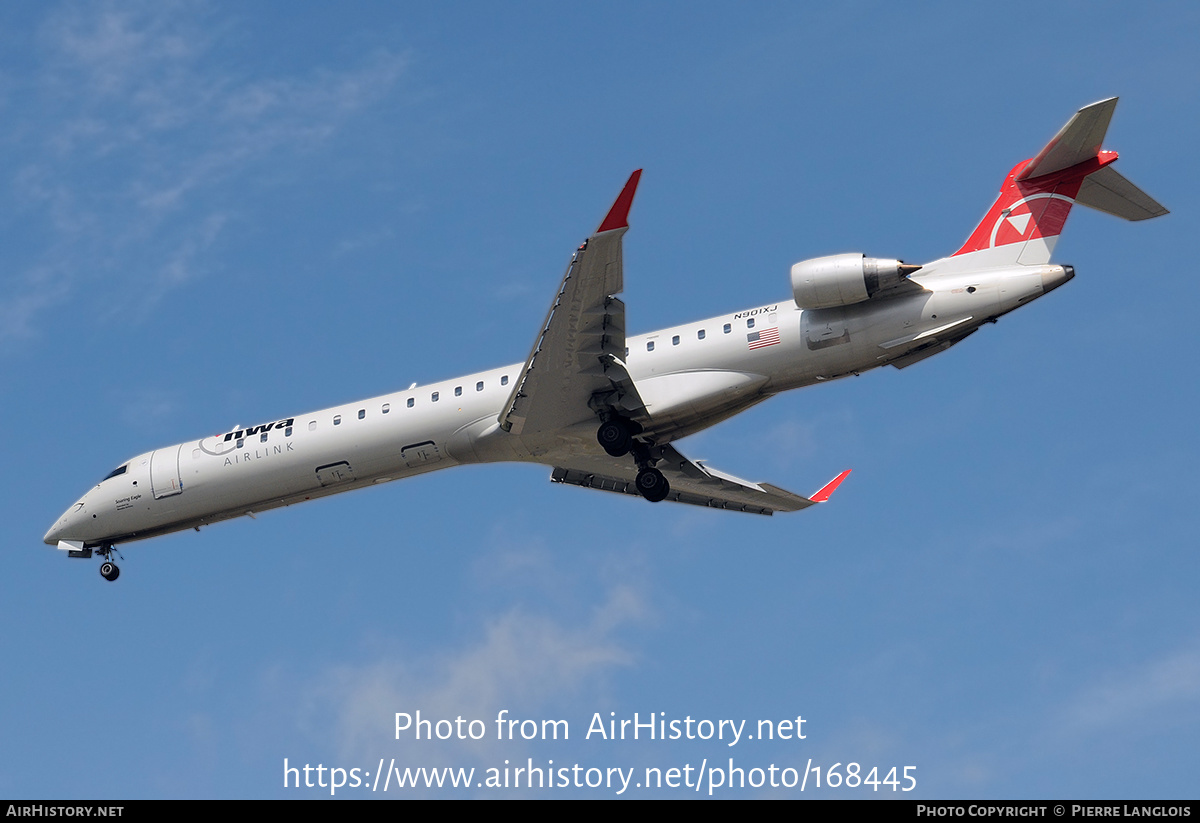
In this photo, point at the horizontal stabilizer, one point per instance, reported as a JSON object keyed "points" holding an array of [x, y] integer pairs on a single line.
{"points": [[1107, 191], [1075, 143]]}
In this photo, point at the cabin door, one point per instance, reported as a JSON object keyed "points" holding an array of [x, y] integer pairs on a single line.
{"points": [[164, 472]]}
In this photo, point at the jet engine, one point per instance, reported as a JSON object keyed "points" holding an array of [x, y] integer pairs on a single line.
{"points": [[844, 279]]}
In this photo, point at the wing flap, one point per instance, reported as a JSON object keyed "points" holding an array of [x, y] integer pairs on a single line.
{"points": [[711, 499], [692, 482]]}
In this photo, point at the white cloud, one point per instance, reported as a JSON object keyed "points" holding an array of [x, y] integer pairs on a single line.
{"points": [[41, 289], [142, 136], [529, 664], [1163, 687], [113, 45]]}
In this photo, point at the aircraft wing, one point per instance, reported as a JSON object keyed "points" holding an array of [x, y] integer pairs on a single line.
{"points": [[691, 482], [578, 353]]}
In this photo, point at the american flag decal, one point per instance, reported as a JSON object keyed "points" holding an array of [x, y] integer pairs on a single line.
{"points": [[761, 339]]}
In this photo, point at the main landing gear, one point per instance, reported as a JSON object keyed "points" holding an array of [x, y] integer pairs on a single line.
{"points": [[652, 485], [108, 569], [616, 436]]}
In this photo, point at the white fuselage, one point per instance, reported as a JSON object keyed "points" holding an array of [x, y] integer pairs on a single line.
{"points": [[689, 377]]}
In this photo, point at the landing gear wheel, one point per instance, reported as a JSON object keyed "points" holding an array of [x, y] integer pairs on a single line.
{"points": [[652, 485], [615, 437], [109, 570]]}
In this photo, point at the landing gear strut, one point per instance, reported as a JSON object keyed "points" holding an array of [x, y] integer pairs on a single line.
{"points": [[616, 436], [108, 569]]}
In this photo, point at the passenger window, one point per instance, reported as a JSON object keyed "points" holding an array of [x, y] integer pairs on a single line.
{"points": [[387, 407], [728, 328], [750, 323], [262, 438], [337, 420], [458, 391], [675, 340], [410, 402], [362, 413], [241, 441], [504, 380], [650, 345], [700, 334], [312, 425], [479, 386], [434, 397], [287, 432]]}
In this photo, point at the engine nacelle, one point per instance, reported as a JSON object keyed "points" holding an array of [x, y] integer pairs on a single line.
{"points": [[844, 279]]}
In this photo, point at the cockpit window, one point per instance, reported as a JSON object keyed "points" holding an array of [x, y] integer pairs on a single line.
{"points": [[116, 472]]}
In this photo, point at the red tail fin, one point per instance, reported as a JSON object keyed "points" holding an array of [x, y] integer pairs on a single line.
{"points": [[1024, 223], [1031, 212]]}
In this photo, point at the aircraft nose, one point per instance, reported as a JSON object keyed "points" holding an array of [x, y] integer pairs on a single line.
{"points": [[62, 527], [1055, 276]]}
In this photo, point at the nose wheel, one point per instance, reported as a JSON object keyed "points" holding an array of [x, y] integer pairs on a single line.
{"points": [[108, 569]]}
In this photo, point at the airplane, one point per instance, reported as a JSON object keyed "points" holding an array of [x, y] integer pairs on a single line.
{"points": [[603, 409]]}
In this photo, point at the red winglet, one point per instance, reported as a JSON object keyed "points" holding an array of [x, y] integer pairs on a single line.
{"points": [[618, 215], [829, 488]]}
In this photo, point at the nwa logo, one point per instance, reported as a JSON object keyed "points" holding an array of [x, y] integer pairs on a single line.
{"points": [[263, 429], [220, 444]]}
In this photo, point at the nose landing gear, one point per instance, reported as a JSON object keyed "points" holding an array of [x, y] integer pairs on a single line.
{"points": [[108, 569]]}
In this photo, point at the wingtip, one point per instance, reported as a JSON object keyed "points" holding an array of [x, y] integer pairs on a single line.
{"points": [[618, 215], [829, 488]]}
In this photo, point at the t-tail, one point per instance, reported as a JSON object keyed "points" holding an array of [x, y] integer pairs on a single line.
{"points": [[1023, 225]]}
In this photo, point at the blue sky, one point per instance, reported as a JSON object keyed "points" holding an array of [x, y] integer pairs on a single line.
{"points": [[216, 215]]}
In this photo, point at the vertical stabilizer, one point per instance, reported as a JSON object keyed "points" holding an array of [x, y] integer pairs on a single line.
{"points": [[1023, 225]]}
